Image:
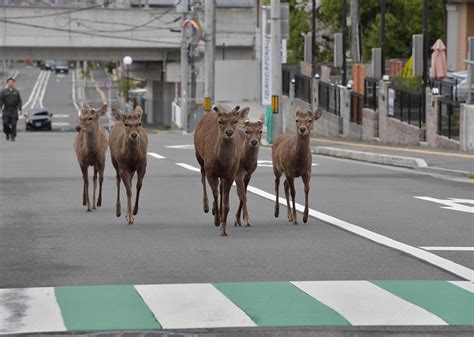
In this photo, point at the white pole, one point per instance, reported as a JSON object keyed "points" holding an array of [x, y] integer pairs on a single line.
{"points": [[184, 80], [210, 38], [276, 63], [110, 108]]}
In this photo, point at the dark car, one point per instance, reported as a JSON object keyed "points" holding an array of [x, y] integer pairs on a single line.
{"points": [[48, 65], [38, 118], [62, 67]]}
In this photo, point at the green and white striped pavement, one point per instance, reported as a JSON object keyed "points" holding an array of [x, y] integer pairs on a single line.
{"points": [[246, 304]]}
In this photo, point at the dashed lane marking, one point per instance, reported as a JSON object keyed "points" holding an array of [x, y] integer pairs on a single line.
{"points": [[156, 155], [459, 249]]}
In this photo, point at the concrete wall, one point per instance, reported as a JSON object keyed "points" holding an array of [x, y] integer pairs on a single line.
{"points": [[433, 139], [466, 137], [370, 124], [237, 80], [391, 130], [349, 130]]}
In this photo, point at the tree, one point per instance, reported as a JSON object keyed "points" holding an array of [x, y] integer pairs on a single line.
{"points": [[299, 26]]}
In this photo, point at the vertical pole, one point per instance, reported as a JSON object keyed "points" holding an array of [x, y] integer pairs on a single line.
{"points": [[184, 79], [209, 65], [382, 36], [110, 107], [344, 38], [425, 53], [355, 5], [276, 64], [313, 39], [128, 84]]}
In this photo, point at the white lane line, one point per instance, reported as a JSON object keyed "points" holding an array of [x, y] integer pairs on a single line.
{"points": [[459, 249], [29, 310], [156, 155], [15, 74], [186, 306], [184, 147], [34, 103], [364, 303], [33, 91], [438, 261], [466, 285], [188, 167], [452, 204], [44, 90], [74, 102], [60, 116], [60, 123], [268, 163]]}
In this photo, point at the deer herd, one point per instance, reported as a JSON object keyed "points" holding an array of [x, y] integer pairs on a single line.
{"points": [[226, 148]]}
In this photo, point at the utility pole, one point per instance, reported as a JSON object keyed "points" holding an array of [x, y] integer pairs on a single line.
{"points": [[425, 52], [210, 35], [382, 37], [276, 64], [355, 9], [313, 39], [344, 39], [184, 77]]}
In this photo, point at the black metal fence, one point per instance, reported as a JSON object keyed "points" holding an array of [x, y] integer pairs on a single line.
{"points": [[303, 87], [357, 104], [286, 80], [329, 97], [371, 86], [447, 88], [406, 105], [448, 118]]}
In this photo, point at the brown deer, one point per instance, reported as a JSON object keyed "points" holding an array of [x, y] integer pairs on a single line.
{"points": [[250, 138], [90, 145], [128, 143], [291, 155], [218, 153]]}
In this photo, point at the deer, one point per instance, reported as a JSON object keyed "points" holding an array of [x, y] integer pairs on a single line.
{"points": [[217, 150], [250, 138], [291, 155], [128, 144], [90, 145]]}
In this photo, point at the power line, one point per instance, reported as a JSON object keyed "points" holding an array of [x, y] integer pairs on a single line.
{"points": [[60, 13]]}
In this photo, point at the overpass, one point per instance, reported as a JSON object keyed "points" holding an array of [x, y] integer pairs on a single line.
{"points": [[95, 33]]}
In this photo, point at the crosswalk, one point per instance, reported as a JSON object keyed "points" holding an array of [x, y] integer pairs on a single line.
{"points": [[244, 304]]}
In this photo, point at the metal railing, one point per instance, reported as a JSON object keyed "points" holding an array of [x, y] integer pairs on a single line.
{"points": [[447, 88], [371, 86], [285, 81], [303, 87], [448, 118], [408, 106], [357, 104], [329, 97]]}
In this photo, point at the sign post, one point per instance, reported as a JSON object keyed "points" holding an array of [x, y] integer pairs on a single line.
{"points": [[108, 85]]}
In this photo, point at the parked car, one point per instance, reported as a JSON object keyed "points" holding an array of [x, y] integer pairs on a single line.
{"points": [[38, 118], [62, 67], [48, 65]]}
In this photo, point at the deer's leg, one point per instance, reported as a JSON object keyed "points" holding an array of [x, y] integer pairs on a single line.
{"points": [[306, 179], [291, 183], [221, 199], [214, 183], [226, 184], [246, 214], [94, 180], [277, 188], [287, 196], [140, 175], [126, 181], [205, 201], [85, 180], [239, 181], [117, 203], [101, 181]]}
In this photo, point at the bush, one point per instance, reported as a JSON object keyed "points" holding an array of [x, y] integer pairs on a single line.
{"points": [[414, 83]]}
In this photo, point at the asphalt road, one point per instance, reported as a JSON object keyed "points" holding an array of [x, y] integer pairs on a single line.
{"points": [[47, 238]]}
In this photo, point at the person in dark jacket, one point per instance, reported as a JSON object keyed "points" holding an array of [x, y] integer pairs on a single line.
{"points": [[10, 104]]}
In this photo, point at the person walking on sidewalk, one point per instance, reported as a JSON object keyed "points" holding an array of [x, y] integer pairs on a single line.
{"points": [[10, 104]]}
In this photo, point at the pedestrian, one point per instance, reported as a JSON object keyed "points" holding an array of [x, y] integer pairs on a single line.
{"points": [[10, 104]]}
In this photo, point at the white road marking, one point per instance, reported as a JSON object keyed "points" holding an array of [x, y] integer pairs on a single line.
{"points": [[29, 310], [452, 204], [156, 155], [466, 285], [60, 123], [460, 249], [33, 91], [45, 85], [39, 94], [188, 167], [60, 116], [183, 306], [183, 147], [74, 102], [364, 303], [268, 163], [438, 261], [15, 74]]}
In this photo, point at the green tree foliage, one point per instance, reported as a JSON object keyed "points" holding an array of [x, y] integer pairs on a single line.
{"points": [[403, 18], [299, 25]]}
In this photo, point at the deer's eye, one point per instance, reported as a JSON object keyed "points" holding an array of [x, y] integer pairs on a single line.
{"points": [[297, 121], [310, 120], [247, 132], [90, 118], [260, 132], [126, 124], [220, 122], [235, 121], [139, 124]]}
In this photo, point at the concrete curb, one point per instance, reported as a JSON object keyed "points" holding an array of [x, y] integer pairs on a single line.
{"points": [[370, 157]]}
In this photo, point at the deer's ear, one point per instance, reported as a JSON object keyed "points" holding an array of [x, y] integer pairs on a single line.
{"points": [[246, 122], [118, 115], [138, 111], [217, 110], [235, 110], [85, 106], [243, 113], [317, 114], [103, 110], [261, 120]]}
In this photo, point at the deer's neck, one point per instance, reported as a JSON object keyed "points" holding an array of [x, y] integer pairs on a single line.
{"points": [[92, 141], [226, 150], [250, 153], [302, 146], [131, 148]]}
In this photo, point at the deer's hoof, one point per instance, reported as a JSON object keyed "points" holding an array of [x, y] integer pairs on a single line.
{"points": [[135, 211], [247, 225], [129, 218], [206, 209], [277, 212], [94, 208], [88, 210], [99, 203], [305, 220], [295, 222], [118, 214]]}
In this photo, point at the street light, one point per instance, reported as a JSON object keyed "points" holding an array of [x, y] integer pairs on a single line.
{"points": [[127, 60]]}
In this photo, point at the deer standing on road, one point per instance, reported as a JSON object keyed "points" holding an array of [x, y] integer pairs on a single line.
{"points": [[90, 145], [218, 153], [250, 138], [291, 155], [128, 143]]}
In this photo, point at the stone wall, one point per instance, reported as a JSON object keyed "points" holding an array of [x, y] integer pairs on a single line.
{"points": [[370, 124], [349, 130], [466, 137], [433, 139]]}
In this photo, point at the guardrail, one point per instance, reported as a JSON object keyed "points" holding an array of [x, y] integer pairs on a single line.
{"points": [[329, 97], [371, 86], [286, 80], [447, 88], [408, 106], [449, 118]]}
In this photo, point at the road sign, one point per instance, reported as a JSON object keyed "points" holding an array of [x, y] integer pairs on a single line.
{"points": [[108, 84], [275, 104], [207, 104]]}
